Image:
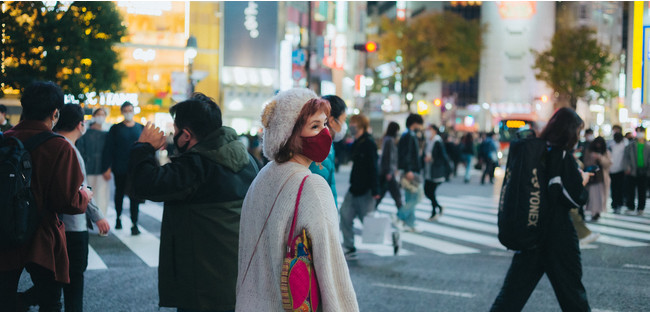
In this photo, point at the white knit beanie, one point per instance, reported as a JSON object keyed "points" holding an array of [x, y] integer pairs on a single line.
{"points": [[280, 116]]}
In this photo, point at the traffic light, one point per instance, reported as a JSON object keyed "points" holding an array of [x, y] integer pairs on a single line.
{"points": [[369, 46], [437, 102]]}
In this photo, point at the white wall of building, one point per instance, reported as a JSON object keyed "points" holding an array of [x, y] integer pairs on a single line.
{"points": [[506, 74]]}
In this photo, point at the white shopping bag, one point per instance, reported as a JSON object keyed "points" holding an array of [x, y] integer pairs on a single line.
{"points": [[376, 228]]}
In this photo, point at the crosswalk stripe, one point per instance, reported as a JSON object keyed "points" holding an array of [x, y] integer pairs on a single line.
{"points": [[437, 244], [454, 233], [634, 219], [620, 242], [624, 224], [620, 232], [382, 250], [152, 210], [146, 246], [485, 203], [95, 262]]}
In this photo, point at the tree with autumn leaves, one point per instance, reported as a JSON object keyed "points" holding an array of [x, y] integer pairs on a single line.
{"points": [[439, 45], [70, 45], [574, 65]]}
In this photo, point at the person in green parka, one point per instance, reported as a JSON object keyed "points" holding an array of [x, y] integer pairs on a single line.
{"points": [[203, 189], [338, 129]]}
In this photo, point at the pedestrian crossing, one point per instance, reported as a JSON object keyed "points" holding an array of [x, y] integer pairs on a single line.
{"points": [[468, 226]]}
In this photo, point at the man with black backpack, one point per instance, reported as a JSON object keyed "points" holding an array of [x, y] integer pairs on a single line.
{"points": [[56, 187]]}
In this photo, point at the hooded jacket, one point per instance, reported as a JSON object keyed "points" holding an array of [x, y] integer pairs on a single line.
{"points": [[203, 190]]}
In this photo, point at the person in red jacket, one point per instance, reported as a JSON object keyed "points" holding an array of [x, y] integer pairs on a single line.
{"points": [[57, 188]]}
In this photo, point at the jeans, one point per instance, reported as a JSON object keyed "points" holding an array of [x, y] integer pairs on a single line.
{"points": [[467, 159], [46, 291], [430, 192], [407, 213], [73, 293], [354, 207], [120, 188], [391, 186], [638, 185], [559, 257]]}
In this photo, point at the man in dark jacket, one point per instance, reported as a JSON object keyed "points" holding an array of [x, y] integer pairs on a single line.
{"points": [[364, 181], [57, 188], [409, 163], [116, 159], [203, 189]]}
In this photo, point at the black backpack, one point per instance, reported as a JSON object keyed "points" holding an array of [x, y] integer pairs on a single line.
{"points": [[523, 204], [20, 217]]}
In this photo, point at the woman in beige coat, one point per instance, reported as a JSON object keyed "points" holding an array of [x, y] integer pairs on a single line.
{"points": [[598, 187]]}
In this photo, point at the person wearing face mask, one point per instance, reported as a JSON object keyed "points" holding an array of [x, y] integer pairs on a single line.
{"points": [[57, 186], [4, 122], [295, 135], [71, 126], [91, 147], [410, 163], [364, 182], [203, 188], [115, 159], [636, 161], [436, 168], [338, 128]]}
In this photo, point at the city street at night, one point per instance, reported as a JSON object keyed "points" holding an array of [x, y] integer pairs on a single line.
{"points": [[455, 264]]}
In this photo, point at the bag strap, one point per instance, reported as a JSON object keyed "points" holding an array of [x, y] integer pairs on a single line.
{"points": [[291, 241], [39, 139], [264, 227]]}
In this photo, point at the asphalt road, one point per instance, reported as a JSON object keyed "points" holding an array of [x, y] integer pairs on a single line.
{"points": [[456, 264]]}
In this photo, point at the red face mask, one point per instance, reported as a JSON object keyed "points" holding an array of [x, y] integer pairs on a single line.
{"points": [[317, 147]]}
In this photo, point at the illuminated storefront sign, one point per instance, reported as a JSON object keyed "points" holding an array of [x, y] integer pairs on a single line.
{"points": [[144, 55], [251, 19], [250, 34], [517, 10], [104, 98]]}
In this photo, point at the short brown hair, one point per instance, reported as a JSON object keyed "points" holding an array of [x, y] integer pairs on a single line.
{"points": [[294, 143], [361, 120]]}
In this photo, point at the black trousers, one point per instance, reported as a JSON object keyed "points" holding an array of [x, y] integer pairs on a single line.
{"points": [[430, 192], [73, 293], [46, 291], [636, 184], [489, 170], [559, 258], [391, 186], [617, 187], [120, 188]]}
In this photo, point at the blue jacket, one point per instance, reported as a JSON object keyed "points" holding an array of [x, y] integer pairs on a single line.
{"points": [[327, 172]]}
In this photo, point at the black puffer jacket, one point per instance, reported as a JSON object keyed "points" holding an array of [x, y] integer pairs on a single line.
{"points": [[364, 175], [203, 190]]}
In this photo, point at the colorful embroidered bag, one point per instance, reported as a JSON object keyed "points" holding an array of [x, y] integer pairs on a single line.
{"points": [[298, 283]]}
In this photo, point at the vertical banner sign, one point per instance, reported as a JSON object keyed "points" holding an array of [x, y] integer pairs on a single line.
{"points": [[637, 45], [250, 34]]}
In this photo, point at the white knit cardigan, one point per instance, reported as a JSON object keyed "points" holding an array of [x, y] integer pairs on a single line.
{"points": [[317, 213]]}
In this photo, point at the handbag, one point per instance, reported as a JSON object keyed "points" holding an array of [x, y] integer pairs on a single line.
{"points": [[298, 282]]}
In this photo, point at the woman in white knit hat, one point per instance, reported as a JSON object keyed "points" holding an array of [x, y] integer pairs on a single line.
{"points": [[295, 135]]}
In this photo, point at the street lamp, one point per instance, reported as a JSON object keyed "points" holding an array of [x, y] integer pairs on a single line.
{"points": [[190, 54]]}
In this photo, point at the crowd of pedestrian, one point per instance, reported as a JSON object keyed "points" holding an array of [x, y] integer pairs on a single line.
{"points": [[232, 202]]}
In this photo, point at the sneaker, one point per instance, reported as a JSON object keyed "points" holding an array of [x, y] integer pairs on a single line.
{"points": [[351, 254], [639, 213], [135, 230], [595, 217], [589, 239], [434, 218], [630, 212], [396, 243], [118, 224], [617, 210]]}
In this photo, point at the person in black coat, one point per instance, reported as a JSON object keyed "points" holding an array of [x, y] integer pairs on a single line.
{"points": [[409, 163], [436, 168], [558, 254], [364, 181]]}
